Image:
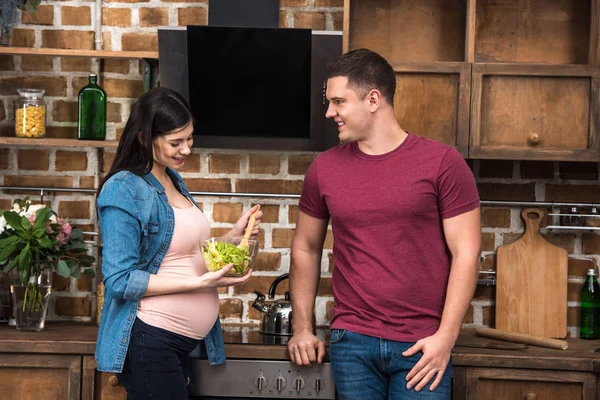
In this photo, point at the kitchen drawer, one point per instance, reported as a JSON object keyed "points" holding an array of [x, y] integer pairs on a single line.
{"points": [[524, 384]]}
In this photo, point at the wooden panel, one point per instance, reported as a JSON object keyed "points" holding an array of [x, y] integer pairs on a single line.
{"points": [[550, 31], [39, 377], [511, 384], [100, 385], [409, 30], [427, 105], [79, 53], [57, 337], [557, 109]]}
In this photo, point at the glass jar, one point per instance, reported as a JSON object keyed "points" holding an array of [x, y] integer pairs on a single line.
{"points": [[30, 113]]}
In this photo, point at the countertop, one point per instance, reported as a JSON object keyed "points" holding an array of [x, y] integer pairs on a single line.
{"points": [[245, 342]]}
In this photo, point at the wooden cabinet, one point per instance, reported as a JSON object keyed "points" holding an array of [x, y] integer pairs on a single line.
{"points": [[519, 384], [511, 79]]}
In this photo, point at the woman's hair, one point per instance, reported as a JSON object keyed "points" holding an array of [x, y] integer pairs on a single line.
{"points": [[158, 112]]}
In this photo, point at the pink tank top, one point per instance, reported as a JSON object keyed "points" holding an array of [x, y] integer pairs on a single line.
{"points": [[191, 314]]}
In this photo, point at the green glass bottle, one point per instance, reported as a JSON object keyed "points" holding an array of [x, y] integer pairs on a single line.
{"points": [[92, 111], [590, 307]]}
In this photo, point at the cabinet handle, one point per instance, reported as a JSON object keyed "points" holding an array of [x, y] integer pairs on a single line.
{"points": [[531, 396], [534, 138], [113, 380]]}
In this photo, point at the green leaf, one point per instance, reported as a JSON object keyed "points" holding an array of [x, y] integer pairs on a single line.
{"points": [[62, 269], [7, 251], [39, 232], [46, 243], [41, 216], [24, 259], [76, 274], [14, 220], [9, 240], [37, 257], [12, 264], [85, 259], [89, 272], [25, 223], [77, 234]]}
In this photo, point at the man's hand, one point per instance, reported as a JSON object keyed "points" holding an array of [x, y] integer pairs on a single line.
{"points": [[306, 349], [436, 354]]}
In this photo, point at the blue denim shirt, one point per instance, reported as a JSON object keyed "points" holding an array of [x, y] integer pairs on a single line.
{"points": [[136, 222]]}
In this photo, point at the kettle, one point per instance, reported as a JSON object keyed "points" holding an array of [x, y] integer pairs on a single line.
{"points": [[277, 317]]}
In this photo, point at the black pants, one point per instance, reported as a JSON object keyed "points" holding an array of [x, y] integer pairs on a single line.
{"points": [[157, 364]]}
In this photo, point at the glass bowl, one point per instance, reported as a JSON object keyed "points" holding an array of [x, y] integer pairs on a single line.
{"points": [[220, 251]]}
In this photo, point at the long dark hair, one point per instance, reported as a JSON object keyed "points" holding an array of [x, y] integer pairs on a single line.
{"points": [[158, 112]]}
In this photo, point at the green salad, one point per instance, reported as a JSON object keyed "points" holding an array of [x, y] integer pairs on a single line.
{"points": [[219, 254]]}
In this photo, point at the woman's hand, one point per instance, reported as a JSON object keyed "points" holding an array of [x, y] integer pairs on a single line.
{"points": [[218, 278], [240, 226]]}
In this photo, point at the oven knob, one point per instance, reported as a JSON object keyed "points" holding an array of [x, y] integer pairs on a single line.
{"points": [[260, 382], [280, 383], [318, 385], [298, 384]]}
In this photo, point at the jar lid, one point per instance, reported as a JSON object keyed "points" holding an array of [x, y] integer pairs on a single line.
{"points": [[31, 93]]}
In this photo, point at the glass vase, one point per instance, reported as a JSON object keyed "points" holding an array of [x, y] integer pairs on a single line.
{"points": [[30, 301]]}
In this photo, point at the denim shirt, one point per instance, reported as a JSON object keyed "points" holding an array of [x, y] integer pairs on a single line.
{"points": [[136, 222]]}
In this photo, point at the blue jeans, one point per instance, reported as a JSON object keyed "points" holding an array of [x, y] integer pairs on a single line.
{"points": [[369, 368], [157, 364]]}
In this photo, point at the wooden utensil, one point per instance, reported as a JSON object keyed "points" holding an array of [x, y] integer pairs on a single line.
{"points": [[531, 283], [249, 227], [522, 338]]}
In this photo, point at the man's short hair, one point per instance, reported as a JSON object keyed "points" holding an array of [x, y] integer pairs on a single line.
{"points": [[365, 70]]}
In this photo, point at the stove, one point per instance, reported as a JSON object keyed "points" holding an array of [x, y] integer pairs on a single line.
{"points": [[258, 367]]}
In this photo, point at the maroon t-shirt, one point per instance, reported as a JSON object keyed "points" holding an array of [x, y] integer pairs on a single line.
{"points": [[391, 259]]}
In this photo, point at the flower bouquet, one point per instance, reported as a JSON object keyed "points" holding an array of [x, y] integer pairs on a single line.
{"points": [[34, 242]]}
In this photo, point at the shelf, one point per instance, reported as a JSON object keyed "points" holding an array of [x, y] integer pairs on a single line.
{"points": [[30, 51], [49, 142], [574, 228]]}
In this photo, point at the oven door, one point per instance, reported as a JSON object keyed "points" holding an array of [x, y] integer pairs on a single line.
{"points": [[269, 379]]}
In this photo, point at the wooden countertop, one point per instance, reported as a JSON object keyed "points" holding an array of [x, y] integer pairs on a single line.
{"points": [[80, 338]]}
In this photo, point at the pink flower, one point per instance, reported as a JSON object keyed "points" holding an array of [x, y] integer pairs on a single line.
{"points": [[64, 233]]}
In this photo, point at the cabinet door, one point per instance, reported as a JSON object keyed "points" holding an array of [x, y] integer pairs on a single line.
{"points": [[541, 112], [515, 384], [39, 376], [100, 385]]}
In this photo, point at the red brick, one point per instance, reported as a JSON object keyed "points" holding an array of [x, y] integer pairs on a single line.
{"points": [[76, 15], [4, 159], [33, 160], [7, 63], [208, 185], [2, 111], [495, 217], [591, 244], [84, 284], [496, 168], [268, 186], [572, 193], [501, 191], [54, 86], [489, 315], [331, 261], [192, 163], [573, 316], [65, 111], [75, 64], [537, 169], [70, 161], [64, 132], [579, 267], [292, 214], [230, 308], [113, 112], [338, 21], [226, 212], [126, 1], [37, 63], [484, 293], [107, 160], [282, 238], [123, 88], [270, 213], [60, 283], [73, 306], [488, 240], [266, 261], [298, 165], [468, 319], [192, 16], [293, 3], [139, 42], [117, 66], [106, 41], [87, 182], [22, 38], [224, 163], [263, 164], [574, 291], [154, 16], [74, 209], [311, 20], [283, 19], [68, 39], [330, 3], [43, 15], [116, 17], [578, 170]]}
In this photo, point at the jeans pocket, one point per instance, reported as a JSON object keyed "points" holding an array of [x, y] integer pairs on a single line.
{"points": [[337, 335]]}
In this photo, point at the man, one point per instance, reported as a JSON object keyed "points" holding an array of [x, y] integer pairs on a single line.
{"points": [[404, 211]]}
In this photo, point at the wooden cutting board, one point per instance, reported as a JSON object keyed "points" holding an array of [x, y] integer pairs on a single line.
{"points": [[531, 283]]}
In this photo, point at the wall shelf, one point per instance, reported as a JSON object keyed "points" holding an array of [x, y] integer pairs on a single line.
{"points": [[55, 142], [30, 51]]}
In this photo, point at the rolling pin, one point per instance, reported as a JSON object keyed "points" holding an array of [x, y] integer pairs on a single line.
{"points": [[522, 338]]}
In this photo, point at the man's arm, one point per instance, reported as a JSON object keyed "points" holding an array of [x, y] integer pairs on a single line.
{"points": [[463, 237], [305, 270]]}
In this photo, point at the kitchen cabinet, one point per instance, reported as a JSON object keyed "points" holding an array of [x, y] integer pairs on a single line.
{"points": [[512, 79]]}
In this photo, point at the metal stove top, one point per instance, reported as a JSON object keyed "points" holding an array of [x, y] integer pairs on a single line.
{"points": [[250, 335]]}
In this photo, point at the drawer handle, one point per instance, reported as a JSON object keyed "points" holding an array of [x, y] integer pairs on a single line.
{"points": [[534, 138], [113, 380], [531, 396]]}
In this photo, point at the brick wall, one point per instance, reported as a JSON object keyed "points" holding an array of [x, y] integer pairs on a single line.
{"points": [[131, 25]]}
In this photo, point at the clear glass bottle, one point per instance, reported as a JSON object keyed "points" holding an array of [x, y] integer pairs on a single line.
{"points": [[590, 307], [30, 113], [92, 111]]}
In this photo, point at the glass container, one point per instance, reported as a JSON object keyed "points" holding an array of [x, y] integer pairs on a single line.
{"points": [[30, 113]]}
